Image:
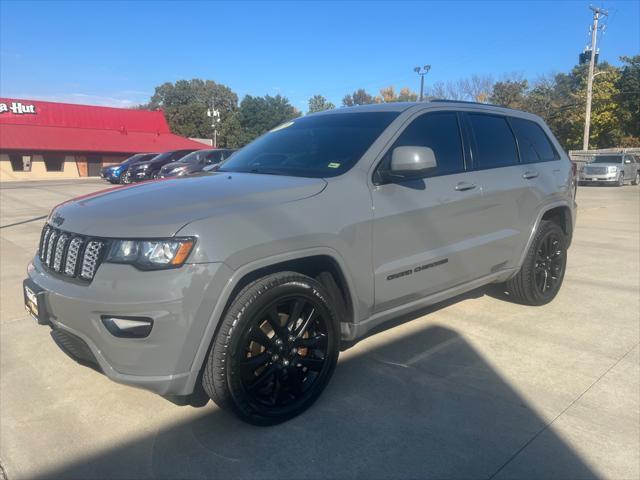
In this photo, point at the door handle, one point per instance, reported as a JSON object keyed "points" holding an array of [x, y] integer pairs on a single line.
{"points": [[462, 186], [529, 175]]}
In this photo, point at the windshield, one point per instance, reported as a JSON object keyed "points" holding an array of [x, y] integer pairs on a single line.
{"points": [[133, 159], [199, 156], [316, 146], [608, 159], [162, 156]]}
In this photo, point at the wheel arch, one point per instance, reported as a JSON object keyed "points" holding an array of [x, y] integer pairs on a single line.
{"points": [[323, 264], [559, 212]]}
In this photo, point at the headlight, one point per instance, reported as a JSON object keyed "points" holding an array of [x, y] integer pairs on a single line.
{"points": [[151, 254], [179, 170], [612, 169]]}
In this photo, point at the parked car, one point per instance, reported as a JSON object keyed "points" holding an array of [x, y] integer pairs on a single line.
{"points": [[113, 173], [195, 162], [240, 285], [614, 169], [151, 169]]}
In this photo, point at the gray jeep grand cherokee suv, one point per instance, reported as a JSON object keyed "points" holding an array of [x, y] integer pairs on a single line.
{"points": [[240, 285]]}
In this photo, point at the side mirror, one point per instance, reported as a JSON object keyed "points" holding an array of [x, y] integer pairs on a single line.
{"points": [[410, 162], [627, 160]]}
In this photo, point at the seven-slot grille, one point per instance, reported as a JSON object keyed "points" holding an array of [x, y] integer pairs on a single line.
{"points": [[72, 255]]}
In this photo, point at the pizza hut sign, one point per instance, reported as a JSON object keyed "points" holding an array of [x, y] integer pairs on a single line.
{"points": [[17, 108]]}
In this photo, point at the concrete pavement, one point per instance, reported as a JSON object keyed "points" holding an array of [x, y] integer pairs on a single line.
{"points": [[474, 388]]}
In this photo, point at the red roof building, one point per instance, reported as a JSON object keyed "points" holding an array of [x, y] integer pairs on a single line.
{"points": [[60, 140]]}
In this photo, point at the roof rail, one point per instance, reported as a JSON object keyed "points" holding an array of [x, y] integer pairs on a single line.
{"points": [[445, 100]]}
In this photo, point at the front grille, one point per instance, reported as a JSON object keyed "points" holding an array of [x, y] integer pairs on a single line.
{"points": [[73, 255], [596, 170]]}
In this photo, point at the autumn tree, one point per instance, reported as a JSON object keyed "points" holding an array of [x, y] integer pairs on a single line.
{"points": [[359, 97]]}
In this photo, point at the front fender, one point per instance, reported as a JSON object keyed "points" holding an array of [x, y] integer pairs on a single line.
{"points": [[232, 280]]}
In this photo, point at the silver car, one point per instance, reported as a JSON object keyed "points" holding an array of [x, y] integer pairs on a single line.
{"points": [[240, 286], [612, 169]]}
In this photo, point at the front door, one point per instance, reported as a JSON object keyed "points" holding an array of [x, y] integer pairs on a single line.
{"points": [[423, 228]]}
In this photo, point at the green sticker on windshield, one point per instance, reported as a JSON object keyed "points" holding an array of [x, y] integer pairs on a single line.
{"points": [[280, 127], [333, 165]]}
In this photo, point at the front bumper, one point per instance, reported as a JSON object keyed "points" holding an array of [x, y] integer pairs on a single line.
{"points": [[601, 178], [180, 302]]}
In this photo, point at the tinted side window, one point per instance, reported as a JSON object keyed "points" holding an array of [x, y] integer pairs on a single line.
{"points": [[533, 142], [438, 131], [495, 145]]}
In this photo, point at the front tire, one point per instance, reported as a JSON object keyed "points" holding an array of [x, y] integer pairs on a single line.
{"points": [[620, 180], [542, 272], [275, 349], [636, 179]]}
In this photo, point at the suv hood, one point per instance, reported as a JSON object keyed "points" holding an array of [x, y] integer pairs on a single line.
{"points": [[161, 208], [591, 165]]}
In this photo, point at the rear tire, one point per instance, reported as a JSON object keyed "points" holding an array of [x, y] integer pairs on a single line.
{"points": [[542, 272], [275, 350]]}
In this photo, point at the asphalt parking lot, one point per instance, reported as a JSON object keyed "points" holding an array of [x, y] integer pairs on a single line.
{"points": [[474, 388]]}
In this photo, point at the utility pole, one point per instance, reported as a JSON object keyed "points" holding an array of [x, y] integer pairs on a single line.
{"points": [[422, 72], [597, 12], [215, 119]]}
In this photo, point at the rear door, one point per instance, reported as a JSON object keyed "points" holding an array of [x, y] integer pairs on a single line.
{"points": [[547, 177], [505, 206], [423, 229]]}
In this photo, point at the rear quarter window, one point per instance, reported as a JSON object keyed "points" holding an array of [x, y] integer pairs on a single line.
{"points": [[534, 144], [494, 143]]}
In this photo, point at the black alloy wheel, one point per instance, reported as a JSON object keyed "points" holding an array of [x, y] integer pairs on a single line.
{"points": [[541, 274], [275, 350], [550, 262], [284, 352]]}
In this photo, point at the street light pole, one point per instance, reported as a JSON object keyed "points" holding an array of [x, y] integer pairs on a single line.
{"points": [[594, 35], [422, 71]]}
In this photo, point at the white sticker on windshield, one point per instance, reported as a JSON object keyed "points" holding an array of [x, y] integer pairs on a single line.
{"points": [[280, 127], [333, 165]]}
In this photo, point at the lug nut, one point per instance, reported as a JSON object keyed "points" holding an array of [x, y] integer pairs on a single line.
{"points": [[274, 357], [285, 363]]}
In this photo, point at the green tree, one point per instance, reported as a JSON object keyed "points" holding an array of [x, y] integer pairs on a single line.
{"points": [[359, 97], [318, 103], [258, 115], [567, 122], [628, 97], [185, 104], [509, 93]]}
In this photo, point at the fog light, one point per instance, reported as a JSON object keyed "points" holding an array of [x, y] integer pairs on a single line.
{"points": [[128, 327]]}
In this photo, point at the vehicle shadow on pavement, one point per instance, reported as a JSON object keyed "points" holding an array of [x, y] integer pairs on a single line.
{"points": [[425, 405]]}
